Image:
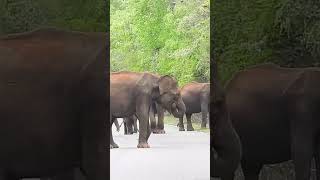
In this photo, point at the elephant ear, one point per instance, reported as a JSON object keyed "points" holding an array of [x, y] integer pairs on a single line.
{"points": [[167, 84], [147, 83]]}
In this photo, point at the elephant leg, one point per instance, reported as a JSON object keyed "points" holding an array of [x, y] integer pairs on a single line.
{"points": [[204, 113], [125, 125], [94, 131], [135, 127], [143, 116], [317, 159], [251, 172], [129, 125], [116, 123], [189, 124], [112, 143], [302, 152], [153, 119], [160, 125], [181, 125]]}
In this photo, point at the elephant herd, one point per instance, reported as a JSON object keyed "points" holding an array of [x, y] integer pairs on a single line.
{"points": [[267, 114], [139, 96], [56, 108], [56, 104]]}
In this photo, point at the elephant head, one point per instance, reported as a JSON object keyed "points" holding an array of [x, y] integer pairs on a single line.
{"points": [[167, 94], [225, 140]]}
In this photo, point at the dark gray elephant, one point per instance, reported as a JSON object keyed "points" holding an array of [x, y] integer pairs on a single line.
{"points": [[276, 114], [53, 109], [196, 97], [224, 139], [132, 93]]}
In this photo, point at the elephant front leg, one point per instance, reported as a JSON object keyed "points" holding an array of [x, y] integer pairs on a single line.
{"points": [[129, 125], [189, 124], [135, 127], [153, 120], [204, 119], [144, 128], [125, 125], [160, 125], [116, 123], [204, 113], [181, 125]]}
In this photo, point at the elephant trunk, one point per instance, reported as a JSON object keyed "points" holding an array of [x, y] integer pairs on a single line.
{"points": [[178, 109], [227, 145]]}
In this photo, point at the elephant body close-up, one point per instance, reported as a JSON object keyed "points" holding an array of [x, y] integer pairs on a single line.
{"points": [[196, 98], [276, 114], [133, 93], [224, 139], [53, 108]]}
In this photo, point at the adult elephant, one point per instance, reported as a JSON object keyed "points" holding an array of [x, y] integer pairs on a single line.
{"points": [[276, 113], [53, 104], [196, 97], [132, 93], [224, 139]]}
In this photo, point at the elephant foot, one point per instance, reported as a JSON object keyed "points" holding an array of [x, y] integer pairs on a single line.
{"points": [[158, 131], [161, 131], [154, 131], [113, 145], [135, 131], [143, 145], [190, 128], [181, 129]]}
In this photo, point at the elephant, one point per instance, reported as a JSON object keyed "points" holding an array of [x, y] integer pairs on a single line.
{"points": [[132, 93], [227, 148], [53, 108], [275, 111], [196, 99], [130, 125]]}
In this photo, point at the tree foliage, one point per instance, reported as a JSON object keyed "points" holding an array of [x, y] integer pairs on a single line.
{"points": [[25, 15], [285, 32], [164, 36]]}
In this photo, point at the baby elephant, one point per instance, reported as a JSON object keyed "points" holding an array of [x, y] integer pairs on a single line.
{"points": [[196, 99]]}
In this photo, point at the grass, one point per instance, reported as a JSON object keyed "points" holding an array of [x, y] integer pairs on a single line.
{"points": [[174, 121]]}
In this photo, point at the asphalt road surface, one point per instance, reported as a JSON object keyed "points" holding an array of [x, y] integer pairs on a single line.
{"points": [[173, 156]]}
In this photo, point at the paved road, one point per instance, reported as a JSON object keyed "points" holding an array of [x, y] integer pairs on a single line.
{"points": [[172, 156]]}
